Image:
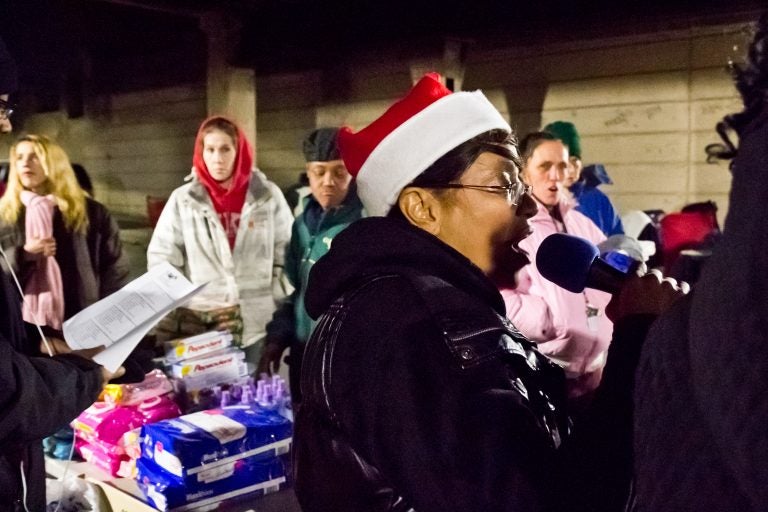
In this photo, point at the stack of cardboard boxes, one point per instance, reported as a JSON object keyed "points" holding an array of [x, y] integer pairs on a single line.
{"points": [[201, 315]]}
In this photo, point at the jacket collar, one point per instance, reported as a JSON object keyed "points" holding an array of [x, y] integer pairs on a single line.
{"points": [[565, 204], [257, 190], [379, 245], [351, 203]]}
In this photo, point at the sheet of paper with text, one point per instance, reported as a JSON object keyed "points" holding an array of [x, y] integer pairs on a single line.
{"points": [[122, 319]]}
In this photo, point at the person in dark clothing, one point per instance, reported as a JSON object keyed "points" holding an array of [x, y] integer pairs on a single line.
{"points": [[418, 393], [331, 207], [701, 406], [38, 394], [593, 202], [296, 192], [83, 179]]}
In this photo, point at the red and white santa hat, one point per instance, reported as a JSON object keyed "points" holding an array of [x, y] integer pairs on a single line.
{"points": [[412, 135]]}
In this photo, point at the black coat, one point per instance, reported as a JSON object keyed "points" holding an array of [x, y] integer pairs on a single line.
{"points": [[37, 396], [702, 387], [92, 265], [419, 393]]}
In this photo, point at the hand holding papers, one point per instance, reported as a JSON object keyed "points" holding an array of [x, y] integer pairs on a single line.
{"points": [[121, 320]]}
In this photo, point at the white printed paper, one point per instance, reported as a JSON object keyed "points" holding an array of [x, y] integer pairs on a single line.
{"points": [[122, 319]]}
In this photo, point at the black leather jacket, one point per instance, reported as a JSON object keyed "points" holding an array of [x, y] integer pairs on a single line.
{"points": [[334, 474], [419, 394]]}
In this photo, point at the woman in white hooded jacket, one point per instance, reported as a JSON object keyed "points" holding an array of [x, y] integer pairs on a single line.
{"points": [[228, 227]]}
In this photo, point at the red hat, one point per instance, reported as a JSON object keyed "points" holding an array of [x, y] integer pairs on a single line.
{"points": [[412, 135]]}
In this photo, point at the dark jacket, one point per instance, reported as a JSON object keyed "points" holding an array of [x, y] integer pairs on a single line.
{"points": [[592, 202], [311, 237], [92, 265], [418, 393], [37, 396], [595, 204], [702, 408]]}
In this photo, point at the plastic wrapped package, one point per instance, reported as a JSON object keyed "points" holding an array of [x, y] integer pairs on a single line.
{"points": [[155, 384], [249, 475], [73, 495], [106, 422], [213, 455], [205, 440]]}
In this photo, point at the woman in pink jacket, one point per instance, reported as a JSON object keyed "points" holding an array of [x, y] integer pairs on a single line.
{"points": [[570, 328]]}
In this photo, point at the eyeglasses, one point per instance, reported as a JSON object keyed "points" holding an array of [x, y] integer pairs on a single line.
{"points": [[514, 190], [6, 109]]}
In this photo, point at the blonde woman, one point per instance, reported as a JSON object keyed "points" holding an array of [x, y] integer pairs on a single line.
{"points": [[64, 245]]}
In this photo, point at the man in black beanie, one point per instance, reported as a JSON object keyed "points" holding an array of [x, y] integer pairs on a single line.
{"points": [[332, 205]]}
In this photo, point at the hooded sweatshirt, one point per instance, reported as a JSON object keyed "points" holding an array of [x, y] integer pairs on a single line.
{"points": [[228, 203]]}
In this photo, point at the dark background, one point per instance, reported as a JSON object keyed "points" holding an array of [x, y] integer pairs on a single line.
{"points": [[69, 49]]}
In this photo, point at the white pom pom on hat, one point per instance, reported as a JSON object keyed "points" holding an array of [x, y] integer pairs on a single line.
{"points": [[412, 135]]}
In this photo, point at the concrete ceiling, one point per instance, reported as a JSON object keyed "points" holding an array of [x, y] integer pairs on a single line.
{"points": [[59, 43], [284, 34]]}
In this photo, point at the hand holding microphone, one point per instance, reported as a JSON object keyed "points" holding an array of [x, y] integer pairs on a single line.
{"points": [[574, 264], [650, 293]]}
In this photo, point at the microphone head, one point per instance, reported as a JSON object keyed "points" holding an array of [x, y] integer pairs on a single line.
{"points": [[566, 260]]}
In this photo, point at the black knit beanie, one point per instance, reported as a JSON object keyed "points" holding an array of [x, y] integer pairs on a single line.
{"points": [[321, 145]]}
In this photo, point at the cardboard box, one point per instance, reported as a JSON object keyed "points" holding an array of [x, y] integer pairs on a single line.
{"points": [[234, 326], [206, 311], [196, 346]]}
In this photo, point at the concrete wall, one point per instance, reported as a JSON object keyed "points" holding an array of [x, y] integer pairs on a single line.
{"points": [[291, 105], [646, 106], [132, 145]]}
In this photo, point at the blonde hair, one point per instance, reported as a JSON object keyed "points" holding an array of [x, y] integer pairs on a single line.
{"points": [[61, 183]]}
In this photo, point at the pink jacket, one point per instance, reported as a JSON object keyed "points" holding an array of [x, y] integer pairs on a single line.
{"points": [[553, 317]]}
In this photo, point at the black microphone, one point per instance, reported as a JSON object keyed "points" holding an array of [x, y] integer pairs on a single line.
{"points": [[574, 264]]}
